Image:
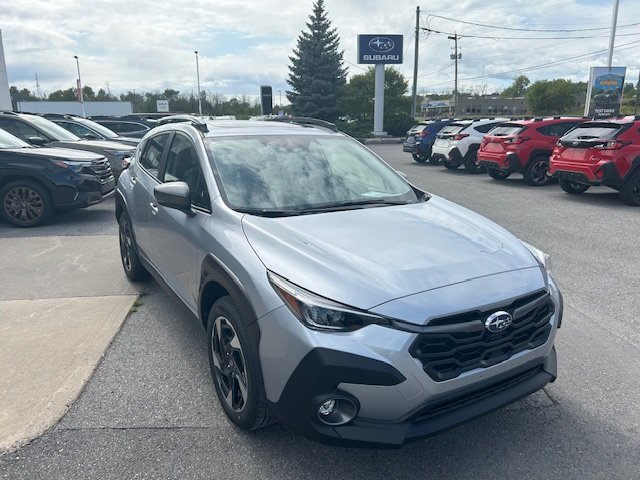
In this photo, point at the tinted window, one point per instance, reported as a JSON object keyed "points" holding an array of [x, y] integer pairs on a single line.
{"points": [[557, 129], [20, 129], [507, 130], [76, 129], [182, 165], [150, 158], [484, 128], [50, 129], [452, 129], [10, 141], [593, 131]]}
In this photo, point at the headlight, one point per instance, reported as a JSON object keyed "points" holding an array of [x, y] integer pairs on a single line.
{"points": [[75, 166], [320, 313], [543, 259]]}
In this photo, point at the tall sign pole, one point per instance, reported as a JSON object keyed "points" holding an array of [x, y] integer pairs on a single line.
{"points": [[198, 78], [5, 95], [379, 50], [415, 65], [612, 37], [80, 97]]}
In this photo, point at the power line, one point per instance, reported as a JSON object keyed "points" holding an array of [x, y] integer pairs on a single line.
{"points": [[493, 37], [529, 29]]}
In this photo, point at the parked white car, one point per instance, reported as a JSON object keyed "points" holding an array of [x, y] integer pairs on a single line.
{"points": [[458, 143]]}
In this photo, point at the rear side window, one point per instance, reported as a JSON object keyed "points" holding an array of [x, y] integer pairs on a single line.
{"points": [[484, 128], [20, 129], [557, 129], [452, 129], [150, 158]]}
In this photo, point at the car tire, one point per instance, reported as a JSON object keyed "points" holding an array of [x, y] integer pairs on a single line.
{"points": [[434, 160], [449, 164], [133, 268], [470, 163], [498, 174], [25, 203], [574, 188], [535, 173], [630, 191], [235, 366], [419, 158]]}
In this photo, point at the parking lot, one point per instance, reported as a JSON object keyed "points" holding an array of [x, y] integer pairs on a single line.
{"points": [[150, 410]]}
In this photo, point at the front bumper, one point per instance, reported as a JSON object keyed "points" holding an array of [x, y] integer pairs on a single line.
{"points": [[397, 400], [600, 173], [88, 191]]}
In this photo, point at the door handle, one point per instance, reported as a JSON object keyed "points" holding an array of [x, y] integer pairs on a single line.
{"points": [[154, 208]]}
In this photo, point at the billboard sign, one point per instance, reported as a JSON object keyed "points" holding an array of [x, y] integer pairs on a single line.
{"points": [[386, 49], [604, 94], [162, 106], [266, 99]]}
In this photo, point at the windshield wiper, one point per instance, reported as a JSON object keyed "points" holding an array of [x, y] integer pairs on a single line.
{"points": [[269, 212], [349, 204]]}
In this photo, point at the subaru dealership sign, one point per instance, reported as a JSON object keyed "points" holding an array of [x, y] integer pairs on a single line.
{"points": [[386, 49]]}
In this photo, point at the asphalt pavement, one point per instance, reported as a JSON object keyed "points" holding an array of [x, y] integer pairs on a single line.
{"points": [[150, 410]]}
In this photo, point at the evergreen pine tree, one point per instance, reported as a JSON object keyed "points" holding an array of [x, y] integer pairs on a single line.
{"points": [[316, 74]]}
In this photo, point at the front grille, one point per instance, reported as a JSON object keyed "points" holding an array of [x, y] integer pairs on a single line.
{"points": [[456, 344], [102, 169]]}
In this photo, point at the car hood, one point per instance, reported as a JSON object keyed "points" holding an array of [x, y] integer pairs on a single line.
{"points": [[59, 153], [367, 257]]}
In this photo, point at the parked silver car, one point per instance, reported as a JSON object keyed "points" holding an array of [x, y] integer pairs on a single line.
{"points": [[337, 297]]}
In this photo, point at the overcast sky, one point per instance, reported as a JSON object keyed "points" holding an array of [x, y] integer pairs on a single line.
{"points": [[146, 45]]}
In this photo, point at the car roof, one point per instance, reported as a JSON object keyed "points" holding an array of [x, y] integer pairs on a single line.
{"points": [[545, 120], [218, 128], [619, 120]]}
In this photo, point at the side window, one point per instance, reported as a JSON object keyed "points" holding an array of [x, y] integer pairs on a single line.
{"points": [[19, 129], [76, 129], [150, 158], [182, 165], [485, 128]]}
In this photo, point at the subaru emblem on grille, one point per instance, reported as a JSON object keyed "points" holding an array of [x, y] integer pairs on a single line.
{"points": [[498, 321]]}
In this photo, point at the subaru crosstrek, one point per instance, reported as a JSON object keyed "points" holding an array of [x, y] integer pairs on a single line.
{"points": [[458, 143], [523, 146], [337, 297], [424, 139], [602, 152]]}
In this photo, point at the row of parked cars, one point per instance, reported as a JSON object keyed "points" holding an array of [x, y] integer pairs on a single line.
{"points": [[575, 150], [55, 163]]}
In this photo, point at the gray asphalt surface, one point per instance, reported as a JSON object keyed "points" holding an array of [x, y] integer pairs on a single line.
{"points": [[150, 410]]}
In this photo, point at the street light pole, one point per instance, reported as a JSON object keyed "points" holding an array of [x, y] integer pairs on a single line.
{"points": [[80, 97], [612, 36], [198, 76]]}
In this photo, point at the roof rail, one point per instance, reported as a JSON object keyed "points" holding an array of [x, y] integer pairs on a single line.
{"points": [[538, 119], [557, 118], [200, 125], [304, 121]]}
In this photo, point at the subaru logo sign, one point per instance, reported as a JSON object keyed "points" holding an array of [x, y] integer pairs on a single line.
{"points": [[381, 44], [380, 49], [498, 321]]}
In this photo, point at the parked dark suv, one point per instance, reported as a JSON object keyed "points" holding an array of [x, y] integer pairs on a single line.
{"points": [[39, 131], [523, 146], [424, 138], [88, 129], [36, 182], [603, 152]]}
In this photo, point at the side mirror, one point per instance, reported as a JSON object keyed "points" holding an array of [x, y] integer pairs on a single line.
{"points": [[174, 195], [90, 136], [37, 141]]}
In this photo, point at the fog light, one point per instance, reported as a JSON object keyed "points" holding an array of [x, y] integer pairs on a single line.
{"points": [[327, 408], [337, 411]]}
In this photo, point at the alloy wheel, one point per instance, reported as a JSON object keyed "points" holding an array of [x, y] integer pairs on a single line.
{"points": [[126, 245], [539, 172], [24, 205], [229, 364]]}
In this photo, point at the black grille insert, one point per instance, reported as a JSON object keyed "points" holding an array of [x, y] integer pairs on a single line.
{"points": [[102, 169], [456, 344]]}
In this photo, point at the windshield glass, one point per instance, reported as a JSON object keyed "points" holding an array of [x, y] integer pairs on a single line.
{"points": [[593, 132], [298, 173], [102, 130], [506, 130], [51, 129], [9, 141]]}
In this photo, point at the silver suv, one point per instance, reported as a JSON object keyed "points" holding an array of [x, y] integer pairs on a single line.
{"points": [[337, 298]]}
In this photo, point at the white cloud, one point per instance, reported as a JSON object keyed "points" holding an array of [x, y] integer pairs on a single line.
{"points": [[149, 45]]}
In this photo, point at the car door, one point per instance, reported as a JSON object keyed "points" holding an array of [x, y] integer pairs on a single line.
{"points": [[142, 177], [176, 234]]}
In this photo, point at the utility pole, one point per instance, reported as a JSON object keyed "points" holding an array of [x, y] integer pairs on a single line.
{"points": [[635, 108], [612, 38], [455, 56], [37, 86], [415, 64]]}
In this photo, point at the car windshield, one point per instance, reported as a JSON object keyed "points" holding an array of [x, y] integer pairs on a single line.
{"points": [[51, 129], [506, 130], [595, 131], [289, 175], [9, 141], [102, 130]]}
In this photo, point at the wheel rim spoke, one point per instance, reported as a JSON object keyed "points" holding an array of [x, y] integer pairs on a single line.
{"points": [[24, 204], [229, 364]]}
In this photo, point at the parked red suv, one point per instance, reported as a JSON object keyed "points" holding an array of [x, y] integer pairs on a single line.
{"points": [[601, 152], [523, 146]]}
